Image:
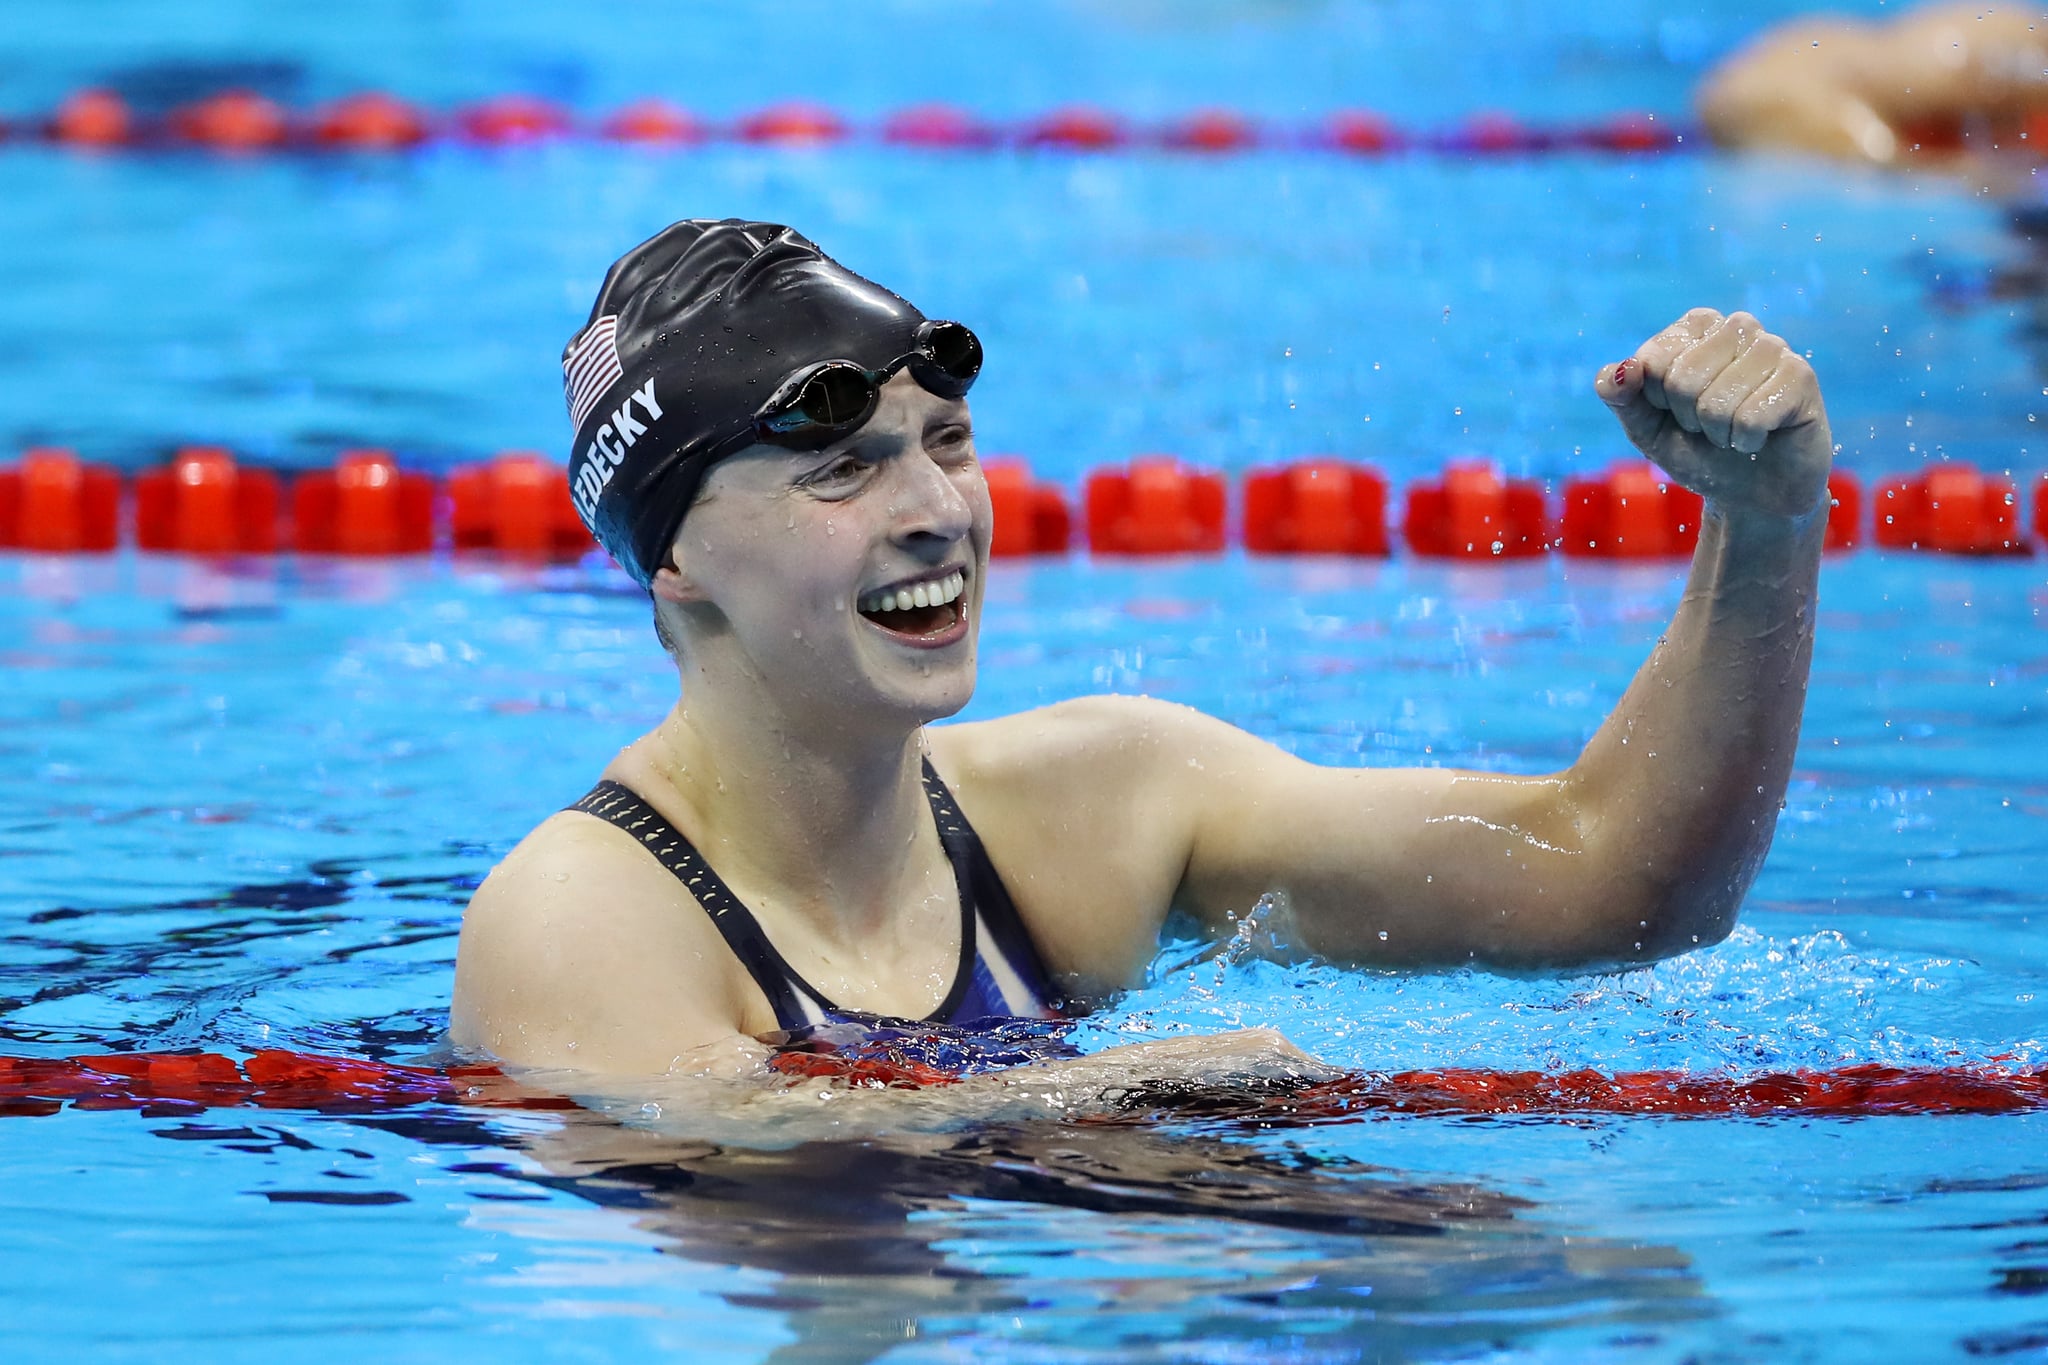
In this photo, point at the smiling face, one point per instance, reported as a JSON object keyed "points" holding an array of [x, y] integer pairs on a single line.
{"points": [[842, 584]]}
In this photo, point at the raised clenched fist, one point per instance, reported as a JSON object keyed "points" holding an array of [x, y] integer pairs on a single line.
{"points": [[1729, 410]]}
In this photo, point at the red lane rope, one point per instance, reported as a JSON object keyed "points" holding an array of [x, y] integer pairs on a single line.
{"points": [[1846, 1092], [204, 502], [270, 1079], [168, 1084], [244, 122]]}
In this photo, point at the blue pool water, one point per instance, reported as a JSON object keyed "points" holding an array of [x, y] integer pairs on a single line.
{"points": [[242, 805]]}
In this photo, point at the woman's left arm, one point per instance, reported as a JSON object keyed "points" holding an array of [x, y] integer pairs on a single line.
{"points": [[1647, 844]]}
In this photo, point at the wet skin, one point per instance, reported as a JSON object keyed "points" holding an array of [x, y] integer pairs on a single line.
{"points": [[792, 762], [1901, 92]]}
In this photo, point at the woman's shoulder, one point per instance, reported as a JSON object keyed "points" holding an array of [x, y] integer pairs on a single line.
{"points": [[580, 923], [1078, 736]]}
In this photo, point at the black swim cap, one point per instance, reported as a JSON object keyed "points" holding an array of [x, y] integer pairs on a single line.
{"points": [[692, 332]]}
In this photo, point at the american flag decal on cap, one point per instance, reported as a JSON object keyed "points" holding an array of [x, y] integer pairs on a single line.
{"points": [[591, 366]]}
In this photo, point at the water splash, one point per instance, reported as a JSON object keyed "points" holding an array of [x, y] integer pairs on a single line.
{"points": [[1755, 1002]]}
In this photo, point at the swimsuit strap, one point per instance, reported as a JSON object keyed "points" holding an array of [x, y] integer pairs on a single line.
{"points": [[981, 887], [618, 804]]}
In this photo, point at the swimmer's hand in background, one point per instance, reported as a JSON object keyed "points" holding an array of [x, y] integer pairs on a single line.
{"points": [[1729, 410]]}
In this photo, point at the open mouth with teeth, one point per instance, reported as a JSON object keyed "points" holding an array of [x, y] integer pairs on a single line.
{"points": [[922, 609]]}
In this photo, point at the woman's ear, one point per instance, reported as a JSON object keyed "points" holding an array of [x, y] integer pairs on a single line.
{"points": [[673, 585]]}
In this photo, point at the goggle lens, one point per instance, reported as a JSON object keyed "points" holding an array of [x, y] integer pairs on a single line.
{"points": [[953, 350], [835, 396], [816, 407]]}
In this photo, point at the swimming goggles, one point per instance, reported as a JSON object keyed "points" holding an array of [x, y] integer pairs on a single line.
{"points": [[822, 403]]}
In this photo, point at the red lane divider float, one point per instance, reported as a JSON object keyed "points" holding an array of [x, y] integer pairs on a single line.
{"points": [[91, 118], [513, 120], [55, 503], [1951, 508], [246, 121], [1361, 132], [1631, 512], [1031, 518], [1212, 130], [1316, 507], [939, 125], [232, 121], [1157, 506], [797, 123], [655, 123], [518, 503], [365, 505], [1076, 129], [204, 503], [168, 1084], [1474, 513], [371, 121]]}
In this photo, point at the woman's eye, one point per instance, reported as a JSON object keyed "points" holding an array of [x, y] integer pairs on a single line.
{"points": [[842, 470], [954, 441]]}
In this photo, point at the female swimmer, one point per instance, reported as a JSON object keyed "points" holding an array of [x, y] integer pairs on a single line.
{"points": [[1929, 84], [780, 451]]}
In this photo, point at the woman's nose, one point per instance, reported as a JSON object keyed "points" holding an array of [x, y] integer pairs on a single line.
{"points": [[930, 500]]}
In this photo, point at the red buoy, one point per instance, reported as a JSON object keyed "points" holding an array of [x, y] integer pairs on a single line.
{"points": [[1158, 506], [517, 503], [364, 505], [370, 121], [1076, 128], [93, 118], [1629, 133], [1361, 131], [936, 125], [1845, 511], [1951, 508], [1633, 511], [513, 120], [1316, 507], [204, 503], [795, 123], [1031, 518], [1474, 513], [232, 121], [2041, 509], [1211, 130], [1495, 134], [55, 503], [653, 122]]}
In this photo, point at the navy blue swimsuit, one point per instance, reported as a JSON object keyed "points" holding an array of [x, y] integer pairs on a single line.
{"points": [[999, 974]]}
